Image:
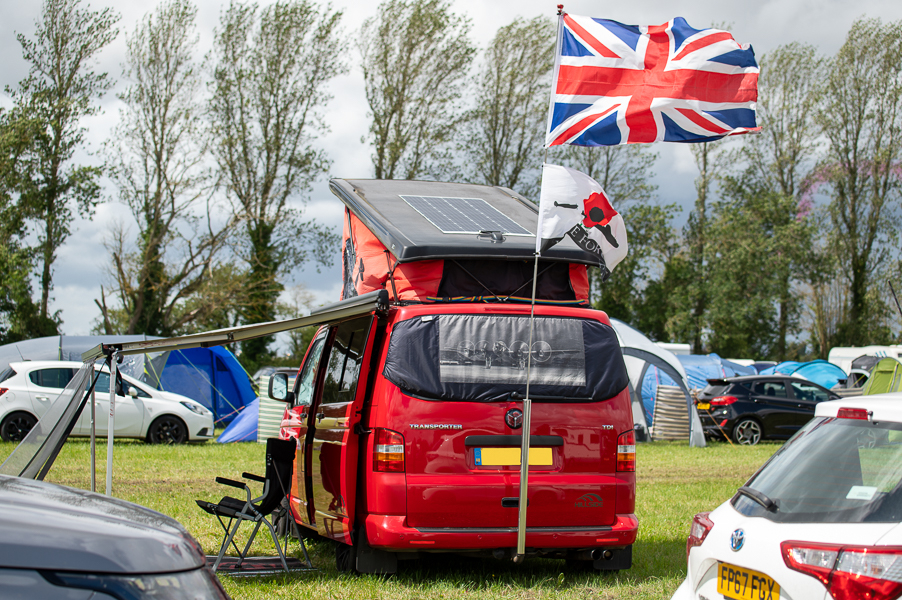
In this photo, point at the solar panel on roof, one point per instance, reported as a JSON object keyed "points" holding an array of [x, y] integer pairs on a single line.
{"points": [[464, 215]]}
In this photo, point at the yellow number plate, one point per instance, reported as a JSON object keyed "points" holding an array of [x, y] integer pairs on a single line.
{"points": [[744, 584], [502, 457], [703, 406]]}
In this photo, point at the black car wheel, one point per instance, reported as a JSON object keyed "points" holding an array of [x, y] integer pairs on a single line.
{"points": [[16, 426], [747, 432], [167, 429]]}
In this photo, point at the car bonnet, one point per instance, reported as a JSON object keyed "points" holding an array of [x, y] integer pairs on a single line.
{"points": [[46, 526]]}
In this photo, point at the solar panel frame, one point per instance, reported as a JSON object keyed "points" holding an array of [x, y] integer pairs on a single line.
{"points": [[466, 211]]}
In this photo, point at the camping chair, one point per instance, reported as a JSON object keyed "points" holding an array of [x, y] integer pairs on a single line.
{"points": [[279, 464]]}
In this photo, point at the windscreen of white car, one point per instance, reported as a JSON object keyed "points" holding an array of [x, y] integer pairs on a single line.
{"points": [[832, 471]]}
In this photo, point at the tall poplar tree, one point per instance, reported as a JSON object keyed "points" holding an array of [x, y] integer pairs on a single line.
{"points": [[60, 91], [503, 137], [415, 55], [158, 156], [271, 66]]}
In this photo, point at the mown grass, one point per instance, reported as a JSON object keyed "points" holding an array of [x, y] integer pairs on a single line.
{"points": [[674, 483]]}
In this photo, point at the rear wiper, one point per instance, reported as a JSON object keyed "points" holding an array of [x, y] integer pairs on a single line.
{"points": [[762, 499]]}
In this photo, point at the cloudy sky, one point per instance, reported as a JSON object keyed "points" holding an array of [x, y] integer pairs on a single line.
{"points": [[766, 24]]}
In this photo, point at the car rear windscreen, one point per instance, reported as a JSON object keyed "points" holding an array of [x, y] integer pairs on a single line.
{"points": [[6, 374], [484, 358], [715, 389], [832, 471]]}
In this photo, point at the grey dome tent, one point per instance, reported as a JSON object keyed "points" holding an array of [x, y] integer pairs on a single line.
{"points": [[639, 354]]}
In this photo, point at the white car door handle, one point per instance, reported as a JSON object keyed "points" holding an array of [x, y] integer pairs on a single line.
{"points": [[42, 397]]}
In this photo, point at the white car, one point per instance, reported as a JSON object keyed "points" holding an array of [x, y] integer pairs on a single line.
{"points": [[820, 520], [28, 388]]}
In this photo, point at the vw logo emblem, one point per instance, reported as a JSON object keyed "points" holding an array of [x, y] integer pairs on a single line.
{"points": [[737, 540], [514, 418]]}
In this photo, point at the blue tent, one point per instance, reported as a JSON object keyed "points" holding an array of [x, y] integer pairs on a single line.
{"points": [[699, 368], [821, 372], [211, 376], [244, 427]]}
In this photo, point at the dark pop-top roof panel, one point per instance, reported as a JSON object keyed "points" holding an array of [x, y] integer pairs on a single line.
{"points": [[422, 220]]}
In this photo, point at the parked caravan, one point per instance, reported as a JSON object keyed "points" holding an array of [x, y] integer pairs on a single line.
{"points": [[408, 416]]}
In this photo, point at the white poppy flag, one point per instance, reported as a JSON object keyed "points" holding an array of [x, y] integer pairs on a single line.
{"points": [[574, 204]]}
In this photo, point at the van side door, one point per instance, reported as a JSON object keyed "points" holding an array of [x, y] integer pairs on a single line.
{"points": [[295, 425], [334, 447]]}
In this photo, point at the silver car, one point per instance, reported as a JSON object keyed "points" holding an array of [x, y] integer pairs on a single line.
{"points": [[61, 543]]}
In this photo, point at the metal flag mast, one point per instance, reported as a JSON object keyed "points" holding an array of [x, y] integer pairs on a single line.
{"points": [[523, 502]]}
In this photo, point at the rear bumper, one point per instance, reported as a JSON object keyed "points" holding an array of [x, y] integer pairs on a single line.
{"points": [[389, 532]]}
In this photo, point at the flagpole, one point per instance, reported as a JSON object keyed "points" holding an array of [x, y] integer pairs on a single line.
{"points": [[523, 501]]}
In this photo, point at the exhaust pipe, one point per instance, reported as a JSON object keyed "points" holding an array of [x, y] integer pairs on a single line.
{"points": [[594, 554]]}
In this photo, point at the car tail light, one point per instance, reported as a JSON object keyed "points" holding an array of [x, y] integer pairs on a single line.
{"points": [[698, 531], [3, 390], [852, 413], [849, 572], [388, 452], [626, 451], [723, 400]]}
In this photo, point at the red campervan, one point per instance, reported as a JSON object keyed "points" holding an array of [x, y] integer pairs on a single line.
{"points": [[407, 407]]}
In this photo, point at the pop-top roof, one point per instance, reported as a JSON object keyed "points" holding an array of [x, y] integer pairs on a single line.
{"points": [[421, 220]]}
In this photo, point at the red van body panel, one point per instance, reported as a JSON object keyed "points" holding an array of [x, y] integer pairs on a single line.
{"points": [[445, 499]]}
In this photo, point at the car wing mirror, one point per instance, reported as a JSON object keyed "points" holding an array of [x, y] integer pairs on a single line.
{"points": [[278, 388], [132, 392]]}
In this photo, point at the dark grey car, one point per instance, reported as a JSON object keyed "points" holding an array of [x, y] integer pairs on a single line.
{"points": [[68, 544]]}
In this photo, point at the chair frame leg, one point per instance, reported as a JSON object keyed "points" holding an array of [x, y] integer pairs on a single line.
{"points": [[229, 539]]}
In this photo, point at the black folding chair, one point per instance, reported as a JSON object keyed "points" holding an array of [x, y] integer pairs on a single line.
{"points": [[279, 465]]}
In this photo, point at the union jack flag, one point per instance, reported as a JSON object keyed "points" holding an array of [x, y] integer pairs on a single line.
{"points": [[626, 84]]}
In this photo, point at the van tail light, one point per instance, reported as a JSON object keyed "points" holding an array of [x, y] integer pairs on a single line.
{"points": [[626, 451], [388, 451], [698, 531], [723, 400], [852, 413], [849, 572]]}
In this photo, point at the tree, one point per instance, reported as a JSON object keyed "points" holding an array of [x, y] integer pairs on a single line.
{"points": [[271, 67], [755, 242], [415, 56], [709, 160], [652, 242], [19, 316], [778, 161], [60, 90], [158, 153], [503, 135], [860, 115], [625, 173]]}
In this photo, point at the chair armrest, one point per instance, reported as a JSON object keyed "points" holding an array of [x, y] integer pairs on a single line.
{"points": [[231, 482], [253, 477]]}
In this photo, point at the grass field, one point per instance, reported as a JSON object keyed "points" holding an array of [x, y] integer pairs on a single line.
{"points": [[674, 482]]}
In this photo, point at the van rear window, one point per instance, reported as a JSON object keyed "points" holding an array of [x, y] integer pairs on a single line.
{"points": [[483, 358]]}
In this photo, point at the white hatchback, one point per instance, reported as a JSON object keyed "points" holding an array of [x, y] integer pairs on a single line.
{"points": [[820, 520], [28, 388]]}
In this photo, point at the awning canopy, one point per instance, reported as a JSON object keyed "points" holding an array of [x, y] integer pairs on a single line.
{"points": [[374, 301]]}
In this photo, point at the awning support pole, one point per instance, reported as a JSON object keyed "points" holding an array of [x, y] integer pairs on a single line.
{"points": [[93, 442], [527, 427], [111, 426]]}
